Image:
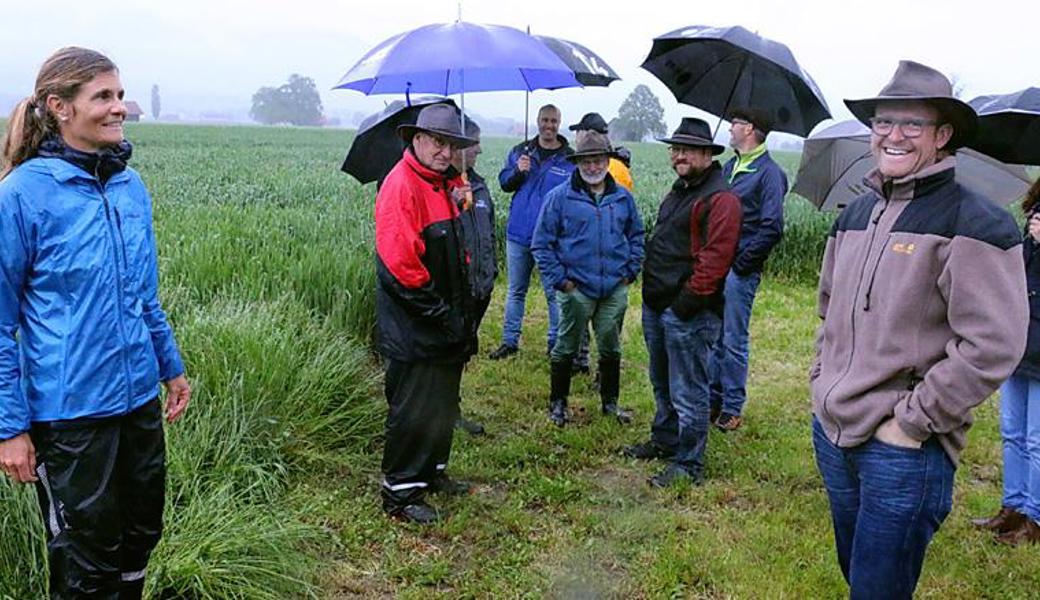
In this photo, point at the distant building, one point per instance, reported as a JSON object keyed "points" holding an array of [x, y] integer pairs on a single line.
{"points": [[133, 111]]}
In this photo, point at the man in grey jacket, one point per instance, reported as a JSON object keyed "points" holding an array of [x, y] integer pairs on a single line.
{"points": [[923, 300]]}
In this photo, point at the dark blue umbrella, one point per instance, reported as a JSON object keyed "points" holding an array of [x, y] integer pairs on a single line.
{"points": [[718, 69], [1009, 126], [456, 58], [377, 147]]}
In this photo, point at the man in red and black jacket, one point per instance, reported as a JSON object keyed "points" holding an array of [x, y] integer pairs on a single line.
{"points": [[688, 255], [425, 312]]}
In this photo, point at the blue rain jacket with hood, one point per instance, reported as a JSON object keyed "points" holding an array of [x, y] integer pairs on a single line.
{"points": [[82, 333]]}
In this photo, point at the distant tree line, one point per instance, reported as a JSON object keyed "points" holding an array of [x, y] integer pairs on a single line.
{"points": [[296, 102]]}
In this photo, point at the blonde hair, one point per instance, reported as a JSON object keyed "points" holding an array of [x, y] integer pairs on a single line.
{"points": [[61, 75]]}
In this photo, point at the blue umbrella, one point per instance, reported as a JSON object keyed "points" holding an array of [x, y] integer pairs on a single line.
{"points": [[456, 58]]}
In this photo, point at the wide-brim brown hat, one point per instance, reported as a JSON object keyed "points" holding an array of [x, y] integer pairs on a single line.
{"points": [[693, 132], [591, 143], [438, 119], [913, 81]]}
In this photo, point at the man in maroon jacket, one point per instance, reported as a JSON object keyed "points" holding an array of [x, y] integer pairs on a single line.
{"points": [[687, 257], [425, 312]]}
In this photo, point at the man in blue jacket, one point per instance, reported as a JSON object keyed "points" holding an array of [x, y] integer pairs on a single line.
{"points": [[532, 169], [761, 184], [589, 247]]}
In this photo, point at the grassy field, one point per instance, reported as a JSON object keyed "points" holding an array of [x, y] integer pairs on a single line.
{"points": [[267, 273]]}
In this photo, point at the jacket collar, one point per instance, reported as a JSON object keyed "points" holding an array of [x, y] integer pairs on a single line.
{"points": [[913, 185], [104, 166], [532, 145]]}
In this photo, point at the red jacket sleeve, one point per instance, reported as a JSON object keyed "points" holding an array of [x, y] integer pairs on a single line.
{"points": [[714, 259], [399, 242]]}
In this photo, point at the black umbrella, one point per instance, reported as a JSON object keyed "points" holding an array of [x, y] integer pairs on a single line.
{"points": [[835, 160], [1009, 126], [720, 68], [589, 69], [376, 147]]}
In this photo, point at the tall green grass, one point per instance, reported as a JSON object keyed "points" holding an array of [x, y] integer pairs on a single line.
{"points": [[267, 276]]}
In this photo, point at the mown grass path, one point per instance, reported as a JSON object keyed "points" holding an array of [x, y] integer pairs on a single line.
{"points": [[558, 513]]}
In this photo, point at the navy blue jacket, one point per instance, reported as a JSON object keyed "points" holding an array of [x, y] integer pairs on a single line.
{"points": [[761, 194], [1030, 365], [593, 245], [531, 188]]}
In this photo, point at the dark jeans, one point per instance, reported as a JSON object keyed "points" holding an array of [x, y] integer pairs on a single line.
{"points": [[729, 359], [101, 488], [424, 405], [679, 375], [886, 504]]}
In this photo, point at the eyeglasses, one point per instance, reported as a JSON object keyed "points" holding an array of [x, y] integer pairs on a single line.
{"points": [[741, 122], [681, 150], [910, 128]]}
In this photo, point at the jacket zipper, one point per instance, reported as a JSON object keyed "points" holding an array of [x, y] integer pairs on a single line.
{"points": [[877, 263], [116, 239], [852, 335]]}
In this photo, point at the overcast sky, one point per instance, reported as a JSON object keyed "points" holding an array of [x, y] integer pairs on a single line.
{"points": [[216, 53]]}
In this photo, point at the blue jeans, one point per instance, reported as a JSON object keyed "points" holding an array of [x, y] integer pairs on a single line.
{"points": [[886, 504], [1020, 429], [679, 375], [519, 265], [729, 358]]}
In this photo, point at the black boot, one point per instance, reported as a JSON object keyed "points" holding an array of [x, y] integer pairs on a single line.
{"points": [[560, 388], [610, 388]]}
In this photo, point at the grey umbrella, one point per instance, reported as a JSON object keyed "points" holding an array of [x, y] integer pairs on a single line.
{"points": [[1009, 126], [835, 160]]}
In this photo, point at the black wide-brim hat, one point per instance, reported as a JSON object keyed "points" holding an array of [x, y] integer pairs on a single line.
{"points": [[694, 132], [438, 119], [914, 82]]}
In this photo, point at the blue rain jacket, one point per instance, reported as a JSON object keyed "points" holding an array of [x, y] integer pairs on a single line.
{"points": [[595, 245], [82, 333], [547, 172]]}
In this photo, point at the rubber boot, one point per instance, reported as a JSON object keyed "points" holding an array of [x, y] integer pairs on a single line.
{"points": [[610, 388], [560, 388]]}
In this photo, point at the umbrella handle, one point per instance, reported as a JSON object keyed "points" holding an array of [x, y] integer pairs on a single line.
{"points": [[468, 201]]}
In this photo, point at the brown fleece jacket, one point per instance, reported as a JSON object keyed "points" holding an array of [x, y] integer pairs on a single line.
{"points": [[923, 300]]}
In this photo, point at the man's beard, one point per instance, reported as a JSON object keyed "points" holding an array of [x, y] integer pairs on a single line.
{"points": [[593, 179]]}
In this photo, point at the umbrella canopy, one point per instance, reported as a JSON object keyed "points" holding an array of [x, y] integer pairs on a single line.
{"points": [[377, 147], [1009, 126], [835, 161], [589, 69], [456, 58], [717, 69]]}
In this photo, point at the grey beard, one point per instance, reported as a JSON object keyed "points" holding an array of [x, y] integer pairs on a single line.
{"points": [[593, 180]]}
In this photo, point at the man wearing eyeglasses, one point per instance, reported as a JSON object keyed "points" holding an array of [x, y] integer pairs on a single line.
{"points": [[761, 185], [923, 300], [687, 258], [588, 243], [425, 311]]}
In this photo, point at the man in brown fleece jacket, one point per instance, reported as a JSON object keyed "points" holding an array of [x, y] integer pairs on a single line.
{"points": [[923, 300]]}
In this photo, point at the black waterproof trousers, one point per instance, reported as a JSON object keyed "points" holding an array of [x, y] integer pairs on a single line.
{"points": [[424, 404], [101, 489]]}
